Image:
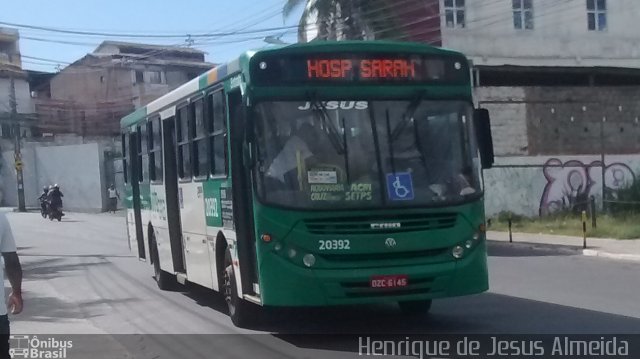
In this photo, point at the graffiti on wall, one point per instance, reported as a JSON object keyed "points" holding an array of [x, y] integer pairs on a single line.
{"points": [[570, 184]]}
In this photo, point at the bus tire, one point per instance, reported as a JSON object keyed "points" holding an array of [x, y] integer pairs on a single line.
{"points": [[415, 307], [164, 280], [239, 309]]}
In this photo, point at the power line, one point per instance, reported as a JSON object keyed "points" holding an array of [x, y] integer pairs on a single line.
{"points": [[211, 42], [140, 36], [196, 42], [44, 59], [370, 12], [59, 41]]}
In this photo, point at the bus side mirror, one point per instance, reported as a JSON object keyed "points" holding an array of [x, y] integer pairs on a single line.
{"points": [[482, 124]]}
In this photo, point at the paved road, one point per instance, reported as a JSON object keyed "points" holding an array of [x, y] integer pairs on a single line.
{"points": [[80, 278]]}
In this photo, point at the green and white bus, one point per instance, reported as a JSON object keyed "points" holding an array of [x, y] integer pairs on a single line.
{"points": [[317, 174]]}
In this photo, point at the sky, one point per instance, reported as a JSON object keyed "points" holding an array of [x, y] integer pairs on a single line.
{"points": [[151, 17]]}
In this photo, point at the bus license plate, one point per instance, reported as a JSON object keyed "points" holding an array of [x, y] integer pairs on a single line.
{"points": [[389, 281]]}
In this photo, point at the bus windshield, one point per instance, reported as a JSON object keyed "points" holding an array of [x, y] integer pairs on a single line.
{"points": [[364, 154]]}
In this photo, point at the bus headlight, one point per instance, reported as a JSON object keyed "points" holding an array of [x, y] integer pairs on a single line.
{"points": [[292, 253], [277, 247], [457, 252], [309, 260], [469, 243]]}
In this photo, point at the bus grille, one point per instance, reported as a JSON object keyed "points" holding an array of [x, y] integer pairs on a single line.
{"points": [[422, 255], [381, 224]]}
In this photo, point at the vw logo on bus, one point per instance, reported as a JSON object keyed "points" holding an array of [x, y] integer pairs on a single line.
{"points": [[390, 242]]}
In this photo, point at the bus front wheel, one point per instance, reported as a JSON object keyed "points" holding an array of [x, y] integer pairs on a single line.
{"points": [[239, 309], [164, 280], [415, 307]]}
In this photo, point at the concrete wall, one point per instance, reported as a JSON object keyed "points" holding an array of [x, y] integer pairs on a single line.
{"points": [[78, 169], [560, 36], [563, 120], [112, 143], [24, 101], [174, 77], [508, 109], [91, 96], [93, 82], [537, 185]]}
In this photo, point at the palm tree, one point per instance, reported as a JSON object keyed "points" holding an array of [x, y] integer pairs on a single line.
{"points": [[342, 19], [322, 10]]}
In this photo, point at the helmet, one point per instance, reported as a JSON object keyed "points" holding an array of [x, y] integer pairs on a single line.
{"points": [[45, 188], [56, 186], [51, 187]]}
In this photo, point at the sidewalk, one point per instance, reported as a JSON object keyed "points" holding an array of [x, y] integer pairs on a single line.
{"points": [[624, 249]]}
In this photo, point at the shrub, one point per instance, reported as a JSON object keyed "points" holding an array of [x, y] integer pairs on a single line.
{"points": [[625, 200]]}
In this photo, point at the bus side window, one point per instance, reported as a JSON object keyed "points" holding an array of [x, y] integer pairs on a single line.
{"points": [[184, 155], [218, 134], [142, 151], [199, 146], [155, 150]]}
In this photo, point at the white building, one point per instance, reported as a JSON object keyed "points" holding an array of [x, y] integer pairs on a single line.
{"points": [[574, 33]]}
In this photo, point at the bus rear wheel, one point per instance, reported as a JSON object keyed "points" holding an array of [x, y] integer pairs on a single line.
{"points": [[415, 307], [239, 309]]}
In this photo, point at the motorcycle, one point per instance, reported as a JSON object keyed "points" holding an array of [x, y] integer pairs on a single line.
{"points": [[44, 208], [55, 212]]}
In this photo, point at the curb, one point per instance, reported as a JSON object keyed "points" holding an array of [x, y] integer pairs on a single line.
{"points": [[539, 246], [618, 256], [571, 250]]}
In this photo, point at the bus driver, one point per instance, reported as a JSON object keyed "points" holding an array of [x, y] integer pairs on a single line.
{"points": [[301, 143]]}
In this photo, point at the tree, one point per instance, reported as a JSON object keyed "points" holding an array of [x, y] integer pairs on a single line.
{"points": [[343, 19]]}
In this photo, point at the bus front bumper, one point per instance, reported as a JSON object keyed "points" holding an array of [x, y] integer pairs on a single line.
{"points": [[286, 284]]}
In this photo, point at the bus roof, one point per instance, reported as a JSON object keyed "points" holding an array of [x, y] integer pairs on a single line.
{"points": [[219, 72]]}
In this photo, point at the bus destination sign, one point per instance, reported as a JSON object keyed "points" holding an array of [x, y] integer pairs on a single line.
{"points": [[366, 69], [359, 69]]}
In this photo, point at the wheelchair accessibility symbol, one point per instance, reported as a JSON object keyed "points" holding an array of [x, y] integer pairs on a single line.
{"points": [[400, 186]]}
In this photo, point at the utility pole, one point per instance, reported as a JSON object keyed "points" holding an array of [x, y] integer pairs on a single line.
{"points": [[15, 125], [604, 167]]}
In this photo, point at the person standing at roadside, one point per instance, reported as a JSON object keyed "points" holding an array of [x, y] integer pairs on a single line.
{"points": [[14, 274], [114, 196]]}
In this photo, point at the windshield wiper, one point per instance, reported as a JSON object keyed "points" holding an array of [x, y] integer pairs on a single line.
{"points": [[346, 151], [334, 136], [408, 114], [390, 143]]}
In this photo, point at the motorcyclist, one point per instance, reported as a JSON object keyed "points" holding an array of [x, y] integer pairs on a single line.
{"points": [[43, 200], [55, 198]]}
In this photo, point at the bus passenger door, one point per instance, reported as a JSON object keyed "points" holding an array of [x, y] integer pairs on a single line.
{"points": [[242, 194], [171, 187], [135, 191]]}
